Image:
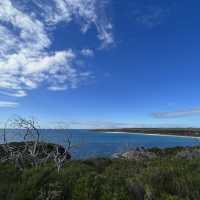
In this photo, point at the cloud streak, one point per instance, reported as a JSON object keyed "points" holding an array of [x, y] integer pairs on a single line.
{"points": [[8, 104], [26, 58], [181, 113]]}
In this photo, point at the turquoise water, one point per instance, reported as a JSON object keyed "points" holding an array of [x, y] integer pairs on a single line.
{"points": [[90, 143]]}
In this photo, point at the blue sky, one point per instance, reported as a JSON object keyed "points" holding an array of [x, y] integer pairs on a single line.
{"points": [[109, 63]]}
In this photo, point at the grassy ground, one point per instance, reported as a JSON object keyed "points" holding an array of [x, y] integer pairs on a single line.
{"points": [[162, 178]]}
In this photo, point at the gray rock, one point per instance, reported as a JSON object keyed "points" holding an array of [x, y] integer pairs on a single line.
{"points": [[116, 155], [135, 155], [189, 154]]}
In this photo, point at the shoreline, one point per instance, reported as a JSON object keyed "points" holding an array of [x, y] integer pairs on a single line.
{"points": [[152, 134], [177, 132]]}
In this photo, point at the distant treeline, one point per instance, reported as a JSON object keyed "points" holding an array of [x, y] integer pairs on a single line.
{"points": [[164, 131]]}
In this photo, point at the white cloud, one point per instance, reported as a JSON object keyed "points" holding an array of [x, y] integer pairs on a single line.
{"points": [[151, 16], [87, 52], [57, 88], [180, 113], [88, 11], [19, 93], [8, 104], [26, 58], [105, 34]]}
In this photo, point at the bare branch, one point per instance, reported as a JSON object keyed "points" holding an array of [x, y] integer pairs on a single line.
{"points": [[31, 151]]}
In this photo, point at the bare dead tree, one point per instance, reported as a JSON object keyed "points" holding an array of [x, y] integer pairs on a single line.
{"points": [[32, 151], [61, 157]]}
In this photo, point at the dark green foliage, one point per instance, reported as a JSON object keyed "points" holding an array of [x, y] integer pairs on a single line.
{"points": [[163, 178]]}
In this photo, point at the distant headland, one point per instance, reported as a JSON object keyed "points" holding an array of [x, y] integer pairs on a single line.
{"points": [[195, 132]]}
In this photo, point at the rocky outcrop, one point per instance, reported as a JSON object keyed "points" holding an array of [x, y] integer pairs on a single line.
{"points": [[189, 154], [136, 154]]}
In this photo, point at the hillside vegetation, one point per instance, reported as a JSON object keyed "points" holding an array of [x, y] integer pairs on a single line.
{"points": [[165, 177]]}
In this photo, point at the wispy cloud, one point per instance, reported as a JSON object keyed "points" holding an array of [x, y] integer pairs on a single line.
{"points": [[18, 93], [180, 113], [100, 124], [65, 124], [8, 104], [26, 58], [87, 52], [151, 16], [58, 88]]}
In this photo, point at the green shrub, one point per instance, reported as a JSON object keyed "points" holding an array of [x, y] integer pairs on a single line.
{"points": [[104, 179]]}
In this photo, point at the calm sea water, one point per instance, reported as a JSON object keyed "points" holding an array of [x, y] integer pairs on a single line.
{"points": [[90, 143]]}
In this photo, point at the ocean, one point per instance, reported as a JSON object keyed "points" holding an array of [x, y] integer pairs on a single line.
{"points": [[86, 143]]}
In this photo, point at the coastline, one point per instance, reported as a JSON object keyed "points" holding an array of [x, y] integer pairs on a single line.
{"points": [[152, 134]]}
